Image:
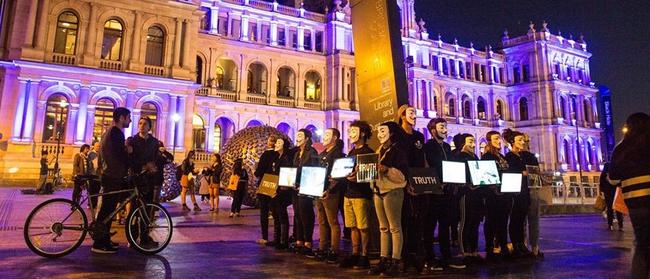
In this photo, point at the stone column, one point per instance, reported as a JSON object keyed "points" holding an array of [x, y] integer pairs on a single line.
{"points": [[130, 100], [177, 42], [214, 19], [180, 135], [274, 32], [28, 131], [31, 24], [73, 110], [23, 94], [244, 28], [42, 24], [187, 49], [172, 125], [90, 123], [82, 118], [89, 51], [134, 64], [301, 38]]}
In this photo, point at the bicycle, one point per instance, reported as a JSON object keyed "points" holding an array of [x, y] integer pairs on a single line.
{"points": [[58, 226]]}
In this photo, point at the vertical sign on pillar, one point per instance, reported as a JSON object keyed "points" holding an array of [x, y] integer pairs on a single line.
{"points": [[378, 57]]}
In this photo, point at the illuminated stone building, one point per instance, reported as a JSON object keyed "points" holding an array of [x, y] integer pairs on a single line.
{"points": [[223, 65]]}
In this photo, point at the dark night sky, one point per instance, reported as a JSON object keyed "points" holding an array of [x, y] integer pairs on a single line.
{"points": [[617, 34]]}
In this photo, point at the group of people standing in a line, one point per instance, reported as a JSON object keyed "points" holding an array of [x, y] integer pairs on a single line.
{"points": [[407, 221]]}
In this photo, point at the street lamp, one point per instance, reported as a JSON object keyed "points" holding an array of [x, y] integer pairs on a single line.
{"points": [[175, 117], [63, 104]]}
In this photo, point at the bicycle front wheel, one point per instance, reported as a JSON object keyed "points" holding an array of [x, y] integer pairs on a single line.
{"points": [[55, 228], [149, 228]]}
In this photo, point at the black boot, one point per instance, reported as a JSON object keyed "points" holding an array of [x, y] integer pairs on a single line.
{"points": [[393, 270], [384, 263]]}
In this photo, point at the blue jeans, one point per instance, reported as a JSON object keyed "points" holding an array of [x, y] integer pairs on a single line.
{"points": [[640, 218]]}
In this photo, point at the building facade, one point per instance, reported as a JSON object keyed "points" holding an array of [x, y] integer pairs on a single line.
{"points": [[223, 65]]}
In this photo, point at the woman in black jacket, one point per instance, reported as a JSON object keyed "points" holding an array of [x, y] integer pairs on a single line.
{"points": [[305, 156], [497, 204], [521, 202], [214, 173], [238, 195], [283, 197], [187, 168], [328, 206]]}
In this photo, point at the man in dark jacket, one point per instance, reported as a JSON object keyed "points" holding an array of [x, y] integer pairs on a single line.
{"points": [[115, 160]]}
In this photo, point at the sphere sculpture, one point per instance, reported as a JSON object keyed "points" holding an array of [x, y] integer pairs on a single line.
{"points": [[248, 144]]}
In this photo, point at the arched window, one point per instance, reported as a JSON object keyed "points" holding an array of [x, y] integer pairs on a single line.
{"points": [[198, 133], [257, 78], [199, 70], [223, 130], [480, 107], [155, 42], [226, 75], [56, 116], [523, 109], [499, 110], [254, 123], [112, 41], [65, 39], [467, 109], [312, 86], [150, 110], [103, 118], [451, 107], [286, 83]]}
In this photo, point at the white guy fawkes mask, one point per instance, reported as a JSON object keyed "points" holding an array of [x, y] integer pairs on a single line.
{"points": [[354, 134], [383, 134]]}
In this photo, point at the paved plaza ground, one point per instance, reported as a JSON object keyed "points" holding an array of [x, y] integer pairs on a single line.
{"points": [[207, 245]]}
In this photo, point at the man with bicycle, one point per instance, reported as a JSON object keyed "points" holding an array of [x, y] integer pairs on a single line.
{"points": [[144, 154], [115, 161]]}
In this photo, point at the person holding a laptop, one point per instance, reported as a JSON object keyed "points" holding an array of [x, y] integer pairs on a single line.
{"points": [[498, 204], [357, 199], [521, 202], [328, 206], [471, 204], [389, 197], [282, 199], [303, 206], [437, 151]]}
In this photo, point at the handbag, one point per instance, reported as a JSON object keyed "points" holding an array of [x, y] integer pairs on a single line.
{"points": [[232, 182], [268, 185], [619, 202], [599, 204]]}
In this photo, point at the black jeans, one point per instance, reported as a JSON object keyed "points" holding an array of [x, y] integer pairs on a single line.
{"points": [[417, 227], [238, 198], [609, 201], [265, 206], [472, 211], [520, 207], [306, 218], [496, 221], [438, 215], [109, 203], [640, 218], [281, 216]]}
